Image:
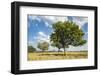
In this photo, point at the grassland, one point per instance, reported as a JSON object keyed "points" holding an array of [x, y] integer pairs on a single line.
{"points": [[57, 55]]}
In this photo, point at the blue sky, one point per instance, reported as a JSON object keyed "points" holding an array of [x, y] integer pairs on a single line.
{"points": [[40, 28]]}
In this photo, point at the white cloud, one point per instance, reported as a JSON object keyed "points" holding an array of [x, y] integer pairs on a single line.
{"points": [[80, 21], [54, 19], [51, 18], [32, 43], [51, 48], [38, 19], [42, 37], [35, 18], [47, 24], [86, 33], [78, 48], [42, 34], [61, 19], [71, 48], [32, 18]]}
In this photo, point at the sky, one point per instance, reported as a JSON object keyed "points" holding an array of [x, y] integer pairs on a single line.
{"points": [[40, 27]]}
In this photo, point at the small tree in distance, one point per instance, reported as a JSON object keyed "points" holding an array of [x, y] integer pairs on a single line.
{"points": [[43, 46], [31, 49]]}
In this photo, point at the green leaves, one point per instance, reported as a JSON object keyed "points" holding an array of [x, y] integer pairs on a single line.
{"points": [[67, 33], [31, 49], [43, 46]]}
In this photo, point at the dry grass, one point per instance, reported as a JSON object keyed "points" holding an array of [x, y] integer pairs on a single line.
{"points": [[57, 55]]}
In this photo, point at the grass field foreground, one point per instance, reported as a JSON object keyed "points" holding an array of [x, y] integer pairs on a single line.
{"points": [[57, 55]]}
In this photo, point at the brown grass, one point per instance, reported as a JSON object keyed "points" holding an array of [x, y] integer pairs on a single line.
{"points": [[57, 55]]}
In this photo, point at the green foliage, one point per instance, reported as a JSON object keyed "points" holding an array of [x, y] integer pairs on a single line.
{"points": [[31, 49], [43, 46], [57, 44], [67, 33]]}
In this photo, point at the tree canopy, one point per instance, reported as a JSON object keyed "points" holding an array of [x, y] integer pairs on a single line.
{"points": [[65, 34], [43, 46]]}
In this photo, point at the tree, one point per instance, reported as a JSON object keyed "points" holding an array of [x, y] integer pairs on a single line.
{"points": [[55, 42], [31, 49], [67, 33], [43, 46]]}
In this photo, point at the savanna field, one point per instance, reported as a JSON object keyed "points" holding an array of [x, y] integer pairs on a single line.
{"points": [[57, 55]]}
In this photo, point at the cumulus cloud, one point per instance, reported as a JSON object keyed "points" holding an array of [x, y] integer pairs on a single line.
{"points": [[32, 43], [80, 20], [42, 37], [31, 18], [61, 19], [47, 24], [49, 20], [34, 18], [86, 33], [54, 19], [42, 34], [78, 48]]}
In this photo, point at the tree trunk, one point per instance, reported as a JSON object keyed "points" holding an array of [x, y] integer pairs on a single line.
{"points": [[58, 49], [64, 51]]}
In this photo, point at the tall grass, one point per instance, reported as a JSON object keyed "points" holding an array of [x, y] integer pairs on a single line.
{"points": [[57, 55]]}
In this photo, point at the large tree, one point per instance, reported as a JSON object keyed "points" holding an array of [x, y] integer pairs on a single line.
{"points": [[67, 33], [43, 46]]}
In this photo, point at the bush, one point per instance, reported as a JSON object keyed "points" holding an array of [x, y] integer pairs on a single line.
{"points": [[31, 49]]}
